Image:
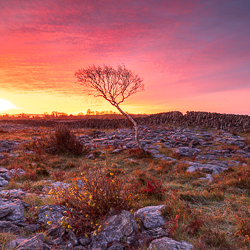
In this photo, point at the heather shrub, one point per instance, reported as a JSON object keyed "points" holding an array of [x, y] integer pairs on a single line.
{"points": [[243, 225], [98, 194], [60, 142], [42, 171], [59, 175], [65, 142], [29, 174]]}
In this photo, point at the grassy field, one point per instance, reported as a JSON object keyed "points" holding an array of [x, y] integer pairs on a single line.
{"points": [[208, 215]]}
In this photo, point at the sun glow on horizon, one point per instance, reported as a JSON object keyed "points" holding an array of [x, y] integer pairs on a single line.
{"points": [[6, 105]]}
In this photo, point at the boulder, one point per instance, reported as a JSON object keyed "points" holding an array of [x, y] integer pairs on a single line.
{"points": [[13, 193], [151, 216], [117, 228], [12, 210], [146, 236], [84, 240]]}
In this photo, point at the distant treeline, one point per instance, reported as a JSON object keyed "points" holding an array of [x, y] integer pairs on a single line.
{"points": [[229, 122], [58, 115]]}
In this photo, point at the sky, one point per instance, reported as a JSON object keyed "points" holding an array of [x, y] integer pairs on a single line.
{"points": [[194, 55]]}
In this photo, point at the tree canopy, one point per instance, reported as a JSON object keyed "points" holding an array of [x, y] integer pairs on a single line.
{"points": [[115, 85]]}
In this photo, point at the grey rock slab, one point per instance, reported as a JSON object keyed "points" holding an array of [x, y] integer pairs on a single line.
{"points": [[100, 139], [90, 156], [232, 163], [208, 177], [117, 228], [116, 151], [127, 139], [57, 231], [14, 243], [209, 168], [157, 147], [82, 240], [5, 210], [3, 182], [17, 171], [116, 246], [187, 151], [3, 170], [32, 228], [166, 243], [79, 248], [147, 236], [151, 216], [153, 151], [65, 244], [13, 193], [206, 157], [34, 242], [164, 157], [16, 208], [56, 185], [7, 226], [6, 176], [52, 213]]}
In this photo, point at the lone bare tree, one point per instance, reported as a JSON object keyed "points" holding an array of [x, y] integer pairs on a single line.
{"points": [[114, 85]]}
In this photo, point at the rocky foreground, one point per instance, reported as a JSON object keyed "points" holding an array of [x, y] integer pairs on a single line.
{"points": [[122, 230]]}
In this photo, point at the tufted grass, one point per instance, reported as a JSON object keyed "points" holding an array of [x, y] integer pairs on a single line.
{"points": [[5, 238], [210, 215]]}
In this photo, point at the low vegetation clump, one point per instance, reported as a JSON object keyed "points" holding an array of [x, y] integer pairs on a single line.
{"points": [[95, 195], [139, 153], [154, 188], [62, 141], [5, 238]]}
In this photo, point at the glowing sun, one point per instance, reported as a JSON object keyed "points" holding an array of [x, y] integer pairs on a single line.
{"points": [[5, 105]]}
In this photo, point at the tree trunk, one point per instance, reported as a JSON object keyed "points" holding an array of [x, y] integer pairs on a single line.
{"points": [[135, 125]]}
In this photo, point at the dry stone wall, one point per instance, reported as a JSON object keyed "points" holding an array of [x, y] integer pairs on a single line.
{"points": [[228, 122]]}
